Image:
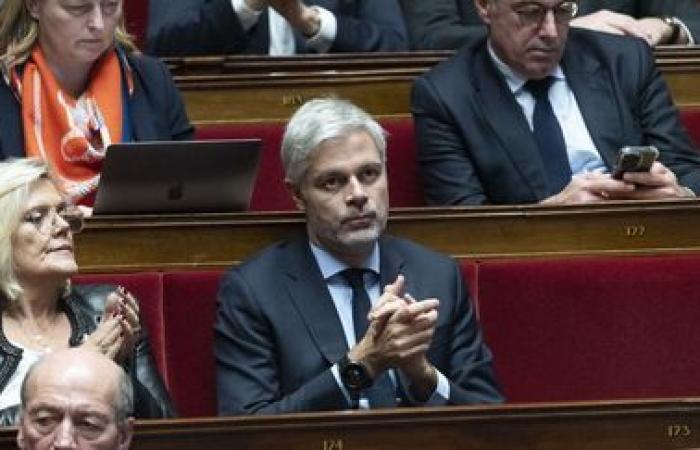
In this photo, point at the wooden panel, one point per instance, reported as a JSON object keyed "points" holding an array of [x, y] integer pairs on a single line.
{"points": [[651, 425], [258, 88], [130, 243]]}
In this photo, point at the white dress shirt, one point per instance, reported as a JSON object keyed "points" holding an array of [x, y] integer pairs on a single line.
{"points": [[582, 153], [281, 32]]}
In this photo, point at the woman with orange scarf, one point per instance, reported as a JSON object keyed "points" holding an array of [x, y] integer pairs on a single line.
{"points": [[74, 84]]}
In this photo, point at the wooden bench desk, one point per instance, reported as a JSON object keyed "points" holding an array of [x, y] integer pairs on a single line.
{"points": [[646, 425]]}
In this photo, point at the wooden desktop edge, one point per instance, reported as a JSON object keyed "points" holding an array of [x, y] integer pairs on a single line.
{"points": [[656, 424], [202, 241]]}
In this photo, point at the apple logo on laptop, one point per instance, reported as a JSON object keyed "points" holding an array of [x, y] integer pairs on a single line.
{"points": [[175, 191]]}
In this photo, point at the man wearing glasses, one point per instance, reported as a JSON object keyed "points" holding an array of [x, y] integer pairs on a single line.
{"points": [[536, 112], [448, 24]]}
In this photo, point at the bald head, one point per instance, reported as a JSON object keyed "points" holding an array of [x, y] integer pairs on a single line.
{"points": [[75, 398]]}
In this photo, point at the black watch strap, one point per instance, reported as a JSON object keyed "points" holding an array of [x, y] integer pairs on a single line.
{"points": [[354, 375]]}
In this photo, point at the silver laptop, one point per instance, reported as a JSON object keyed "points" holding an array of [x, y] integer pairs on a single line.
{"points": [[178, 177]]}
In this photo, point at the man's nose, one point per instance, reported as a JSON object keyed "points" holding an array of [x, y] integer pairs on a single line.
{"points": [[357, 194], [548, 27], [64, 438]]}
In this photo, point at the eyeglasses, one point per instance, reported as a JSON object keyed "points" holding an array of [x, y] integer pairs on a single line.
{"points": [[44, 218], [532, 14]]}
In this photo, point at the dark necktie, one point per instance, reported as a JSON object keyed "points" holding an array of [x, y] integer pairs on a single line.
{"points": [[360, 301], [382, 394], [549, 137]]}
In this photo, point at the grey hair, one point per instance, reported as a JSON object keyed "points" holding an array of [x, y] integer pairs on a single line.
{"points": [[318, 121], [16, 178], [124, 407], [123, 401]]}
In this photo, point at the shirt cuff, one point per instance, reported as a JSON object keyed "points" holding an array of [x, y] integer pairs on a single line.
{"points": [[247, 15], [442, 391], [336, 374], [440, 395], [322, 41]]}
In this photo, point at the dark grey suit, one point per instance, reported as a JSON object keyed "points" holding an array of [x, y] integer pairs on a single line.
{"points": [[278, 333], [449, 24], [198, 27], [474, 142]]}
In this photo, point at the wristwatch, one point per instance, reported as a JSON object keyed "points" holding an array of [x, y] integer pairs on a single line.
{"points": [[676, 26], [354, 375]]}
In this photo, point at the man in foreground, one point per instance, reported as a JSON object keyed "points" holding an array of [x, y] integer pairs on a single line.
{"points": [[76, 399], [345, 316]]}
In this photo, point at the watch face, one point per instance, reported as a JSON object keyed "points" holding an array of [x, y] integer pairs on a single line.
{"points": [[355, 376]]}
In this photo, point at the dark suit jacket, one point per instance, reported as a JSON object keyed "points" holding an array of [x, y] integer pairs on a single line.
{"points": [[449, 24], [278, 333], [474, 142], [199, 27], [156, 109]]}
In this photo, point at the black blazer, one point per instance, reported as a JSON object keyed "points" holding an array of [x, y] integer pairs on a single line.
{"points": [[278, 333], [84, 308], [199, 27], [156, 108], [449, 24], [474, 142]]}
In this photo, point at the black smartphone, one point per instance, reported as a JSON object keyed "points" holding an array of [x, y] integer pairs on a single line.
{"points": [[634, 158]]}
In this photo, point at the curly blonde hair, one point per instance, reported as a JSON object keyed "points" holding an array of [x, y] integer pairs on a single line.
{"points": [[19, 32]]}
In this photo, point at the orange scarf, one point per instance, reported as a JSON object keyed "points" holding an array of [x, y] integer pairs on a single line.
{"points": [[72, 135]]}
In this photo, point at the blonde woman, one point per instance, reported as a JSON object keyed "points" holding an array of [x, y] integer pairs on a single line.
{"points": [[74, 84], [41, 312]]}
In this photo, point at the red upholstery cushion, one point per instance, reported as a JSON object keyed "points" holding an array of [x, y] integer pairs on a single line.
{"points": [[691, 120], [593, 328], [405, 186], [136, 17], [147, 288], [189, 340], [269, 193]]}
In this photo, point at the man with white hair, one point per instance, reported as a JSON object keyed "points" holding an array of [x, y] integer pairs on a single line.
{"points": [[345, 316], [76, 399]]}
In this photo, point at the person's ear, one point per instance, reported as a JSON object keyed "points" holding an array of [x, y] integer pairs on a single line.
{"points": [[20, 435], [482, 8], [126, 432], [295, 192]]}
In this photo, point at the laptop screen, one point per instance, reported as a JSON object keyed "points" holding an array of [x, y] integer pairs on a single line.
{"points": [[178, 177]]}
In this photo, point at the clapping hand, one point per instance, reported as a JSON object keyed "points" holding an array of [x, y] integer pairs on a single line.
{"points": [[119, 328]]}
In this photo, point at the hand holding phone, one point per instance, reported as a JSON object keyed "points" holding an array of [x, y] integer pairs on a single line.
{"points": [[634, 158]]}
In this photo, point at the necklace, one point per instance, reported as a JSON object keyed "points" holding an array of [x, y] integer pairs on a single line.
{"points": [[39, 339]]}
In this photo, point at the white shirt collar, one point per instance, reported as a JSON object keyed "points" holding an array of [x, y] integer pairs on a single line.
{"points": [[331, 266], [515, 80]]}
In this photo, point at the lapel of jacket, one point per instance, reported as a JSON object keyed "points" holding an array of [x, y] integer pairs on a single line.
{"points": [[142, 123], [310, 295], [507, 122], [11, 129], [391, 264], [592, 86]]}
